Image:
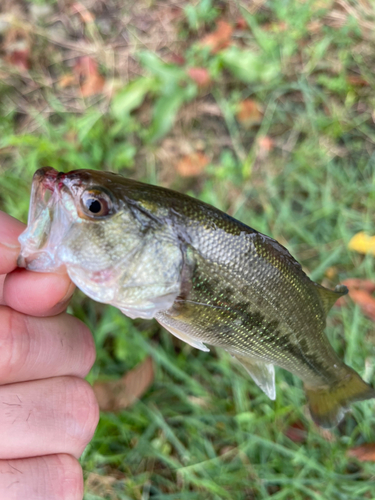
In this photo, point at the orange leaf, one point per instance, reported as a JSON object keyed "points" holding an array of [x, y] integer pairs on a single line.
{"points": [[92, 81], [92, 85], [265, 145], [118, 394], [249, 113], [86, 15], [218, 39], [200, 75], [192, 165], [365, 301], [67, 80], [364, 453]]}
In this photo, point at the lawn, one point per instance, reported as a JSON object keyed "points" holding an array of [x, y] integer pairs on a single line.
{"points": [[264, 109]]}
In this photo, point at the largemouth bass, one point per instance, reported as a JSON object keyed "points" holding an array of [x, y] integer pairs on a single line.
{"points": [[203, 275]]}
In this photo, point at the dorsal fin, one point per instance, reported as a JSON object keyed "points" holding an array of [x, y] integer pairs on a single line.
{"points": [[329, 297]]}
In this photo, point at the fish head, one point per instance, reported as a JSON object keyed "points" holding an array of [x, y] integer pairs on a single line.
{"points": [[83, 223]]}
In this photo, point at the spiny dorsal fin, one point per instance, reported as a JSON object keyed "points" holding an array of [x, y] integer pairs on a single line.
{"points": [[329, 297]]}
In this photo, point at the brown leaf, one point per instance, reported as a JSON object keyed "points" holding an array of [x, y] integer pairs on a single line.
{"points": [[364, 453], [220, 38], [200, 75], [365, 301], [118, 394], [357, 81], [249, 113], [192, 165]]}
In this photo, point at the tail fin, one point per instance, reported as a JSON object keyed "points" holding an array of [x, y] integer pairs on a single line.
{"points": [[328, 404]]}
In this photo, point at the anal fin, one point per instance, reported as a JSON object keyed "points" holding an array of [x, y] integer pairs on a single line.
{"points": [[262, 373]]}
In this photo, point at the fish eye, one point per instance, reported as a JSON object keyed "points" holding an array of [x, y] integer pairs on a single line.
{"points": [[96, 203]]}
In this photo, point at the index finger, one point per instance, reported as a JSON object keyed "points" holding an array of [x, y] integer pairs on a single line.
{"points": [[10, 229], [36, 294]]}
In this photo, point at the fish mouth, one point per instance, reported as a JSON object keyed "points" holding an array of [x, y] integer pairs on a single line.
{"points": [[48, 221]]}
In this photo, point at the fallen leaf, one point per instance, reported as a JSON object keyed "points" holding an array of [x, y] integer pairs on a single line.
{"points": [[192, 165], [331, 272], [86, 15], [241, 23], [296, 432], [357, 81], [119, 394], [357, 283], [92, 82], [362, 243], [176, 59], [67, 80], [200, 75], [218, 39], [364, 453], [365, 301], [92, 85], [249, 113], [265, 145], [19, 58], [17, 48]]}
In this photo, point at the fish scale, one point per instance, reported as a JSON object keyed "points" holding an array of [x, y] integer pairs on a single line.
{"points": [[206, 277]]}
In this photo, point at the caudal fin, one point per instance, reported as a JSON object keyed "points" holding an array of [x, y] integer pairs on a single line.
{"points": [[328, 404]]}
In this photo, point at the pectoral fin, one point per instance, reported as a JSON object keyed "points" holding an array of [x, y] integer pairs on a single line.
{"points": [[263, 374], [184, 336]]}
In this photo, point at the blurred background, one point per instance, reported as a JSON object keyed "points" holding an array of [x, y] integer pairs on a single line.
{"points": [[264, 109]]}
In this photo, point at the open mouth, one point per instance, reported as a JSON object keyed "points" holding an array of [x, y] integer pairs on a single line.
{"points": [[48, 222]]}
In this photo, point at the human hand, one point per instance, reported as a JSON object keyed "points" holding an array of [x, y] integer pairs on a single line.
{"points": [[48, 413]]}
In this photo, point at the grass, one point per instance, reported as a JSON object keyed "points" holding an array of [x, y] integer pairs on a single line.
{"points": [[203, 429]]}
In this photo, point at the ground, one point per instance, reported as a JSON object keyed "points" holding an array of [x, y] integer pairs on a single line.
{"points": [[264, 109]]}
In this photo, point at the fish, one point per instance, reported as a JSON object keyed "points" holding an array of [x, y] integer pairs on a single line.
{"points": [[206, 277]]}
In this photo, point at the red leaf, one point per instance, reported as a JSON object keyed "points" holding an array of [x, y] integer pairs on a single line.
{"points": [[19, 58], [220, 38], [296, 432], [364, 453], [200, 75], [241, 23]]}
